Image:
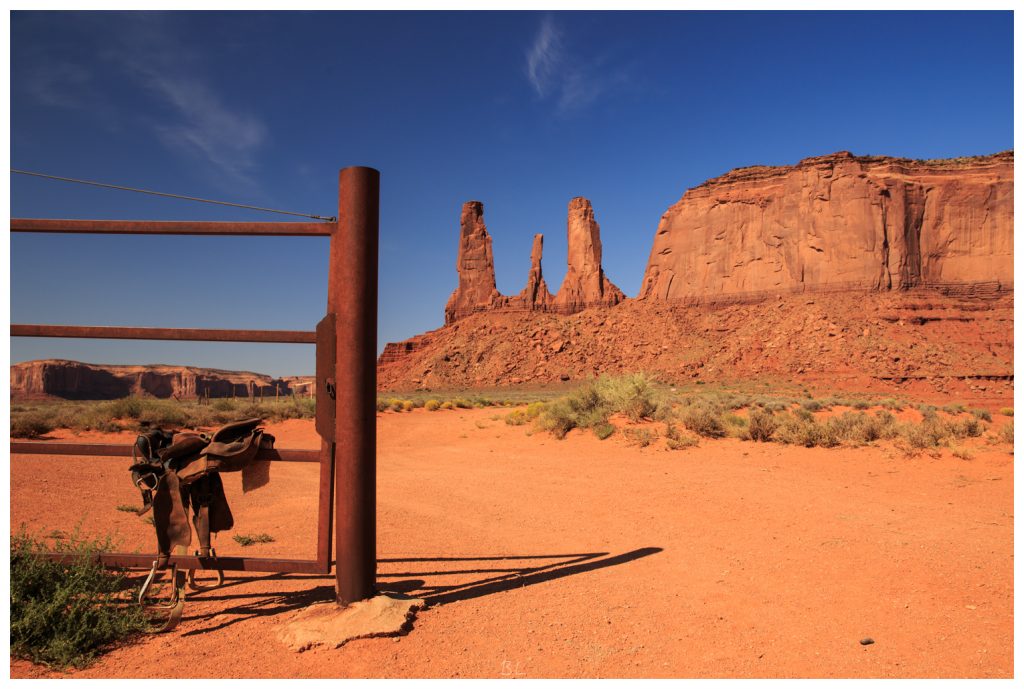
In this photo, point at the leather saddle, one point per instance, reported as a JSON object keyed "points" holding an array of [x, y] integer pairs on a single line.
{"points": [[179, 473]]}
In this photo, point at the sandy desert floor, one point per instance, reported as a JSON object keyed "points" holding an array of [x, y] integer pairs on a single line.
{"points": [[589, 558]]}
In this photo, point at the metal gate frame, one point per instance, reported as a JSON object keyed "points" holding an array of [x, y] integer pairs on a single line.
{"points": [[345, 342]]}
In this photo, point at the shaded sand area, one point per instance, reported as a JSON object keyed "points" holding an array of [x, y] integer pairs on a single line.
{"points": [[589, 558]]}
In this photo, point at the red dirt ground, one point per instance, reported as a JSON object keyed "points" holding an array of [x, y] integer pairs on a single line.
{"points": [[732, 559]]}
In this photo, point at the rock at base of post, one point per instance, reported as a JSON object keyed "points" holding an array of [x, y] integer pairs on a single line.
{"points": [[328, 624]]}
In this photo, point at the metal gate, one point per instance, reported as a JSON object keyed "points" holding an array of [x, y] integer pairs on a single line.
{"points": [[345, 404]]}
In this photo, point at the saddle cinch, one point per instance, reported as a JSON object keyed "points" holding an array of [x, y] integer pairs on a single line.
{"points": [[179, 472]]}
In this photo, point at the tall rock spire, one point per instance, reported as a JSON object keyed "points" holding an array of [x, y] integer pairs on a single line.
{"points": [[585, 283], [536, 295], [477, 289]]}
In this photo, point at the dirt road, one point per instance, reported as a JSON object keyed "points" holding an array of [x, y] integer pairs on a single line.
{"points": [[588, 558]]}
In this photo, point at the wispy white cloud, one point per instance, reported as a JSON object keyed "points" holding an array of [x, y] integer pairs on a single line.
{"points": [[145, 50], [562, 77], [59, 83], [196, 119]]}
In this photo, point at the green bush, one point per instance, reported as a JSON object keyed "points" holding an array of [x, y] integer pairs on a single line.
{"points": [[633, 395], [604, 430], [641, 437], [761, 426], [31, 424], [704, 421], [982, 414], [1005, 433], [65, 614]]}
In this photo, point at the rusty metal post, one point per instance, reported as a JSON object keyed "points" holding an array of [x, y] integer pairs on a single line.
{"points": [[352, 295]]}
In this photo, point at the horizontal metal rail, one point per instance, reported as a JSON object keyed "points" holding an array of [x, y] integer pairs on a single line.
{"points": [[105, 332], [120, 450], [270, 229], [226, 563]]}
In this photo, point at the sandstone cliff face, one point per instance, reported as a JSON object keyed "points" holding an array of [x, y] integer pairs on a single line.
{"points": [[477, 289], [837, 222], [585, 283], [80, 381]]}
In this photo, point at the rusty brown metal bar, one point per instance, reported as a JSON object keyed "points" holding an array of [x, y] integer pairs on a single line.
{"points": [[325, 507], [29, 447], [226, 563], [352, 296], [105, 332], [271, 229]]}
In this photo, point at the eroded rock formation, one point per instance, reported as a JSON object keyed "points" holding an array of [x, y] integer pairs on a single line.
{"points": [[585, 283], [80, 381], [838, 222], [535, 295], [477, 290]]}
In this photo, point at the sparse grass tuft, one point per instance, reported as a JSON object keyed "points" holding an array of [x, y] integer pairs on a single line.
{"points": [[245, 541]]}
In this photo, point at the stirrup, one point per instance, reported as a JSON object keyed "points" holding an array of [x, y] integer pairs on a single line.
{"points": [[175, 604], [195, 586]]}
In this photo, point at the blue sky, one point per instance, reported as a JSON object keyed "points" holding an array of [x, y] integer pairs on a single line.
{"points": [[520, 110]]}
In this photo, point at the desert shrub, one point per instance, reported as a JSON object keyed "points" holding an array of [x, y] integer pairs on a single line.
{"points": [[796, 430], [811, 405], [462, 403], [516, 417], [633, 395], [954, 408], [407, 405], [66, 613], [583, 408], [31, 424], [961, 452], [604, 430], [533, 409], [926, 435], [704, 421], [446, 405], [395, 405], [674, 440], [803, 414], [432, 405], [641, 437], [861, 404], [982, 414], [1005, 433], [383, 405], [761, 426], [969, 427], [245, 540], [1006, 411], [892, 404]]}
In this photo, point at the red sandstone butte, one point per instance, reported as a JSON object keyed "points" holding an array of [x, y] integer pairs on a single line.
{"points": [[585, 283], [81, 381], [477, 289], [837, 222]]}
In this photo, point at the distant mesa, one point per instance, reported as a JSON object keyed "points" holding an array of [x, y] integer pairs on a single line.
{"points": [[585, 283], [60, 378]]}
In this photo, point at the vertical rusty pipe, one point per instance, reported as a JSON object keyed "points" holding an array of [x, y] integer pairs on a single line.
{"points": [[352, 295]]}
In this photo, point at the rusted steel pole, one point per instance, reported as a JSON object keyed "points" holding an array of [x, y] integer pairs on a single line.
{"points": [[352, 296]]}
